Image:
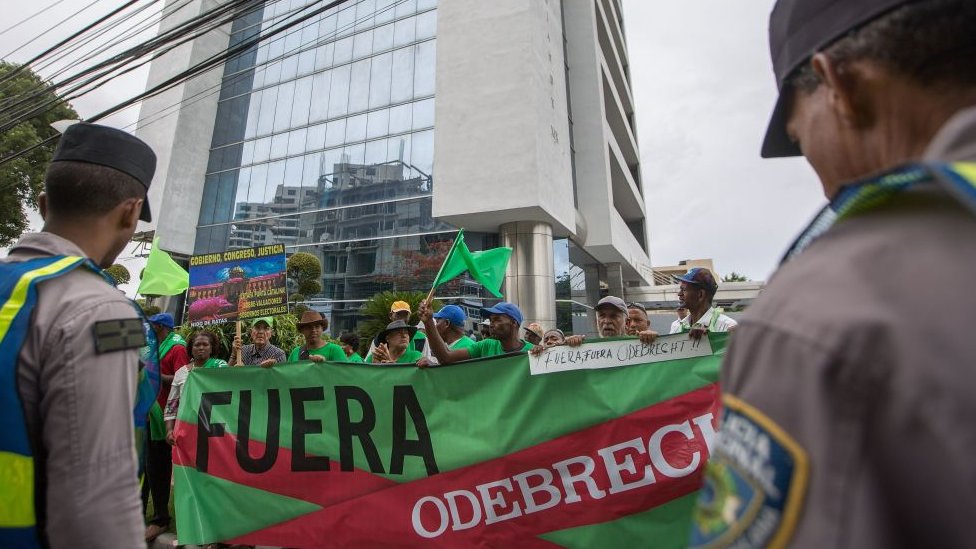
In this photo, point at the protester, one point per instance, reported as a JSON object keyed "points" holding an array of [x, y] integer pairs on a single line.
{"points": [[159, 457], [449, 322], [534, 333], [400, 310], [553, 337], [69, 370], [203, 345], [850, 380], [505, 320], [312, 325], [637, 320], [261, 352], [611, 315], [393, 345], [349, 342], [696, 289]]}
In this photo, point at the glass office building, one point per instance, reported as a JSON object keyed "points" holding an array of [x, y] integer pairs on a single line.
{"points": [[320, 135], [324, 142]]}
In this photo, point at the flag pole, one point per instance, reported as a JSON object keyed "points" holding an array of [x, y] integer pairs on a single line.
{"points": [[430, 294], [238, 359]]}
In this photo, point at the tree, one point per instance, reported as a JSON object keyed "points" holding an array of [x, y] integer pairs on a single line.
{"points": [[305, 270], [22, 179], [735, 277], [119, 274]]}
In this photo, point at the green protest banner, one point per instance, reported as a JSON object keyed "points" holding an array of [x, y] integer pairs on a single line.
{"points": [[481, 453]]}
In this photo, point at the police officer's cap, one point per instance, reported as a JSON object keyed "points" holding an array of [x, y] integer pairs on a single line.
{"points": [[111, 148], [797, 30]]}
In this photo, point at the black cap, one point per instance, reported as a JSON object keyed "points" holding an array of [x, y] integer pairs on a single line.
{"points": [[797, 30], [112, 148]]}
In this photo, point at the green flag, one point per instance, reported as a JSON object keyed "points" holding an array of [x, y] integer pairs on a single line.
{"points": [[487, 267], [162, 275]]}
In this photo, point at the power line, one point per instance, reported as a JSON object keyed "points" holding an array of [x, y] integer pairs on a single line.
{"points": [[56, 25], [222, 14], [199, 68], [28, 18]]}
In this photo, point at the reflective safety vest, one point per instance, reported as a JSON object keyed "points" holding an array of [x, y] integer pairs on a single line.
{"points": [[19, 525], [18, 295], [716, 313]]}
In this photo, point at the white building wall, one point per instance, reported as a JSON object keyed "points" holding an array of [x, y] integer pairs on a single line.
{"points": [[609, 190], [501, 136], [181, 137]]}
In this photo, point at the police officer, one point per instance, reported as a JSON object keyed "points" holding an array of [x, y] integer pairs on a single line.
{"points": [[69, 354], [849, 417]]}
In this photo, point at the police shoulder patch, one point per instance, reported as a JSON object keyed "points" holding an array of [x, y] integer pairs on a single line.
{"points": [[754, 483], [118, 335]]}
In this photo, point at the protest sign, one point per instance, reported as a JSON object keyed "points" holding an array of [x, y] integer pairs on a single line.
{"points": [[480, 453], [237, 285], [616, 352]]}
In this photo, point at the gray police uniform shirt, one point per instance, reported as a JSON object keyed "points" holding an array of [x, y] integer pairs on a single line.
{"points": [[852, 382], [80, 403]]}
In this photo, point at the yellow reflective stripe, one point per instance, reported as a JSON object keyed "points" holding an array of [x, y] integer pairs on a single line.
{"points": [[16, 496], [19, 295], [967, 170]]}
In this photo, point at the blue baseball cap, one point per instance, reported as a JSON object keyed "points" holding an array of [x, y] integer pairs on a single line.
{"points": [[453, 314], [700, 277], [504, 308], [163, 319]]}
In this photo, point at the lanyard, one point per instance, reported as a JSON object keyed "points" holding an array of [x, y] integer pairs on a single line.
{"points": [[959, 180]]}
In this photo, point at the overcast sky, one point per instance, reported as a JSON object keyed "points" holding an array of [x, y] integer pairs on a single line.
{"points": [[704, 89]]}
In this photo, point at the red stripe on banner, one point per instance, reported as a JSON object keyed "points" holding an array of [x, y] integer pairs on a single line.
{"points": [[623, 466]]}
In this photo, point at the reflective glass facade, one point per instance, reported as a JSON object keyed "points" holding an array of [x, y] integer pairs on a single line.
{"points": [[324, 142]]}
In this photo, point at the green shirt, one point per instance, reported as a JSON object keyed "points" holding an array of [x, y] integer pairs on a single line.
{"points": [[408, 357], [493, 347], [354, 358], [464, 342], [330, 352], [215, 363]]}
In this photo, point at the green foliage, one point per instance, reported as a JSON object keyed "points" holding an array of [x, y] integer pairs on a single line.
{"points": [[735, 277], [377, 313], [21, 180], [286, 334], [118, 273], [299, 309], [309, 287], [304, 266]]}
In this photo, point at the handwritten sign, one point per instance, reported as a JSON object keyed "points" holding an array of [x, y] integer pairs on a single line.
{"points": [[616, 352]]}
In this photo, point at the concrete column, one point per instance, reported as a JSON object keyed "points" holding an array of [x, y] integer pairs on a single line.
{"points": [[615, 280], [530, 281]]}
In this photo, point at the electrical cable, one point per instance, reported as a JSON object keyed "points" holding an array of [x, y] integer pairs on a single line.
{"points": [[202, 66], [28, 18], [107, 70]]}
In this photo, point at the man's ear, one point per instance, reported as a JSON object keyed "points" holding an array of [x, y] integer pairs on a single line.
{"points": [[130, 211], [846, 89], [42, 205]]}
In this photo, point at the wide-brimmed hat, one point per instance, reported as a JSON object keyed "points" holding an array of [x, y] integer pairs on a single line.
{"points": [[392, 327], [311, 318], [536, 329]]}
